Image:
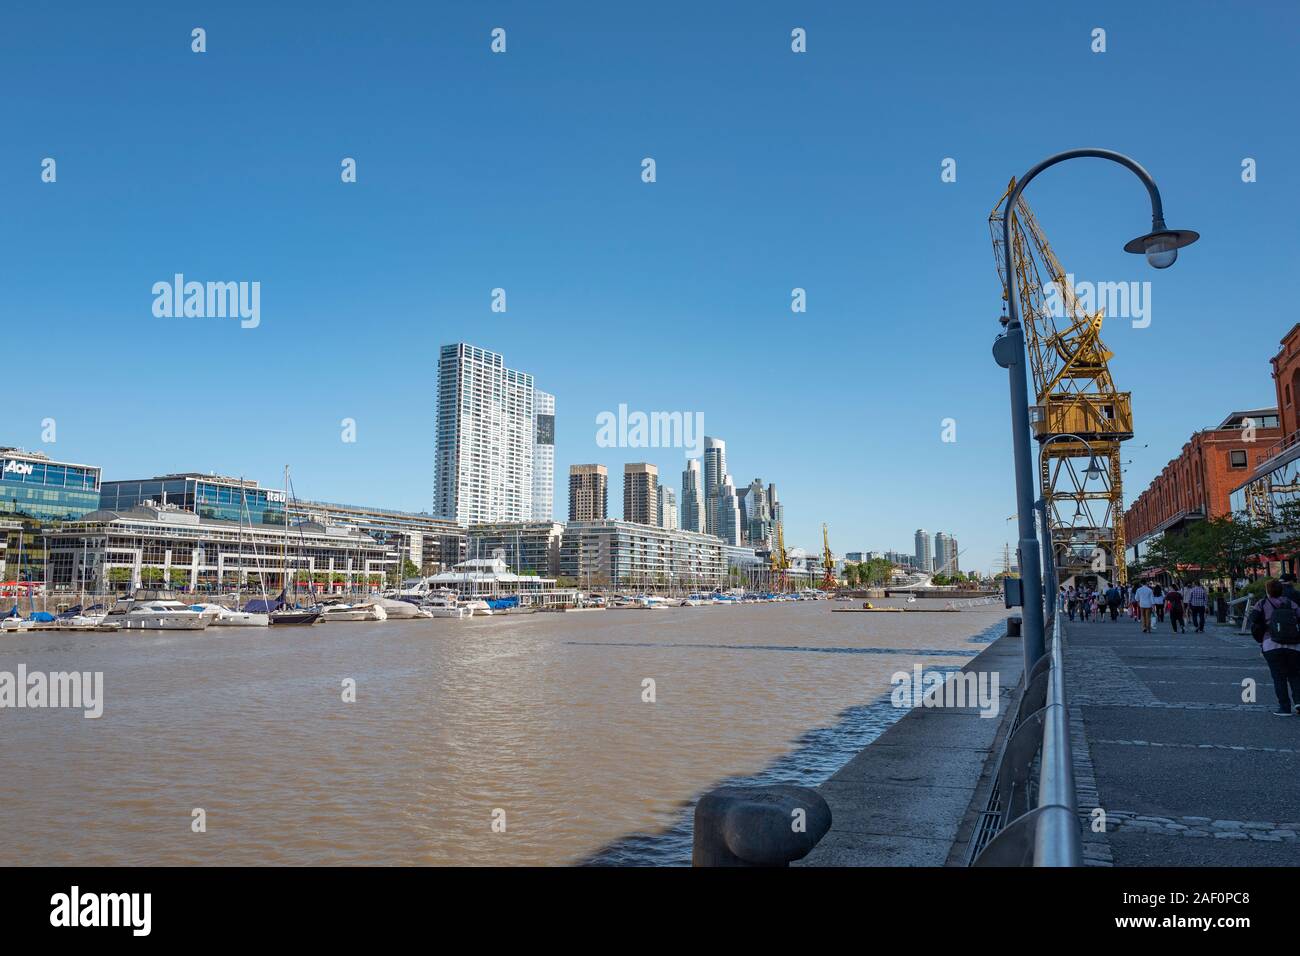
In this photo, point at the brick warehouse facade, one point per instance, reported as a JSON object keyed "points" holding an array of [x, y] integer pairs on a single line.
{"points": [[1286, 378], [1199, 482]]}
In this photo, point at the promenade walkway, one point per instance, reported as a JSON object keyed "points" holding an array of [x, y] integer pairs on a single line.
{"points": [[1187, 772]]}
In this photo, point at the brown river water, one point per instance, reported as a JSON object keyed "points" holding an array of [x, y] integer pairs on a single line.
{"points": [[538, 716]]}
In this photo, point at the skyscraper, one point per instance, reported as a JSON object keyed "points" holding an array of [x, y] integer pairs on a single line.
{"points": [[727, 512], [588, 492], [667, 508], [774, 507], [942, 552], [641, 493], [715, 467], [756, 519], [923, 556], [543, 456], [484, 448], [692, 504]]}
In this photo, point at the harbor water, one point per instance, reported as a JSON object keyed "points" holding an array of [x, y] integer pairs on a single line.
{"points": [[525, 739]]}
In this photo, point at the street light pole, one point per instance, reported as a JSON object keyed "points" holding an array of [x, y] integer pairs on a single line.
{"points": [[1161, 247]]}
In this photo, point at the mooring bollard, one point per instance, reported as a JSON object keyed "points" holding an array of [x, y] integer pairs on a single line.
{"points": [[758, 826]]}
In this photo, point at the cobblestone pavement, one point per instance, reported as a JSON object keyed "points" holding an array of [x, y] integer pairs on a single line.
{"points": [[1177, 759]]}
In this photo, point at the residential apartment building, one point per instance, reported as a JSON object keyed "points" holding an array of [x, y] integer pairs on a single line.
{"points": [[641, 493], [485, 449], [588, 492]]}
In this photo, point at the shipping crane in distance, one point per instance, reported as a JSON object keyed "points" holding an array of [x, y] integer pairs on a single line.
{"points": [[1077, 402], [780, 562], [828, 561]]}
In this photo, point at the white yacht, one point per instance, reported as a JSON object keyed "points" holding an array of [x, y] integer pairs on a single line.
{"points": [[218, 616], [354, 612], [446, 604], [156, 616]]}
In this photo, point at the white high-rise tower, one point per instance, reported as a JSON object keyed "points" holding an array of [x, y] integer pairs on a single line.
{"points": [[543, 456], [484, 449]]}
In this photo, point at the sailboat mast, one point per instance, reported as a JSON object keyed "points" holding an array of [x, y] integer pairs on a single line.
{"points": [[284, 544]]}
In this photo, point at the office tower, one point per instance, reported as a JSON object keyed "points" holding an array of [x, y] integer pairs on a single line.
{"points": [[953, 556], [484, 448], [715, 467], [923, 556], [588, 492], [727, 512], [756, 519], [692, 504], [667, 508], [942, 552], [641, 493], [543, 456], [775, 510]]}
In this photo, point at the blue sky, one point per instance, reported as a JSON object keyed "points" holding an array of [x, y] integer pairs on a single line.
{"points": [[522, 171]]}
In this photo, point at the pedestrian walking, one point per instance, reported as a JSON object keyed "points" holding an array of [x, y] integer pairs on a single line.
{"points": [[1146, 598], [1197, 601], [1159, 594], [1174, 603], [1113, 598], [1275, 624], [1071, 601]]}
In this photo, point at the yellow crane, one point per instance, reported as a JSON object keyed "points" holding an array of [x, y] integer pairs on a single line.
{"points": [[828, 561], [1077, 402], [780, 562]]}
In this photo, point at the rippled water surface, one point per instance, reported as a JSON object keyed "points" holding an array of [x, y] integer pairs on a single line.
{"points": [[540, 716]]}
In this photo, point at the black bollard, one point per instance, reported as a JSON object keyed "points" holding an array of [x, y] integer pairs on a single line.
{"points": [[1013, 627], [758, 826]]}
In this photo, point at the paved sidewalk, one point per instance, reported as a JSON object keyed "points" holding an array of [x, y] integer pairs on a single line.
{"points": [[1187, 773], [906, 797]]}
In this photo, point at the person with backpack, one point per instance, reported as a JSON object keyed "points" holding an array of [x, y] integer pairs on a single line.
{"points": [[1275, 624], [1174, 602], [1197, 600], [1113, 597]]}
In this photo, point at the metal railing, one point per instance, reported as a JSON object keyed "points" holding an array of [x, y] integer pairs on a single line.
{"points": [[1032, 819]]}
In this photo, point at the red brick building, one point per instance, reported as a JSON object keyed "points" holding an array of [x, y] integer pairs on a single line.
{"points": [[1215, 461], [1286, 378]]}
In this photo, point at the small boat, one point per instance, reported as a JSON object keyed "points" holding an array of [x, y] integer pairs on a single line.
{"points": [[446, 604], [399, 610], [364, 611], [219, 616], [157, 615], [295, 615], [478, 607]]}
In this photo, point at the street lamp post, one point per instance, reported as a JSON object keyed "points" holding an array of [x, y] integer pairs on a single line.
{"points": [[1160, 246]]}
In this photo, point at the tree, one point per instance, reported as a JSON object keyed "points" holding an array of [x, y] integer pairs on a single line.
{"points": [[1224, 547]]}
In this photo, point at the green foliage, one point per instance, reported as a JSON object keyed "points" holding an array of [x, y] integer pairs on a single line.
{"points": [[1221, 548]]}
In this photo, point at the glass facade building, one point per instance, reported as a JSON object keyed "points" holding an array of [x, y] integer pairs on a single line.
{"points": [[212, 497], [33, 487]]}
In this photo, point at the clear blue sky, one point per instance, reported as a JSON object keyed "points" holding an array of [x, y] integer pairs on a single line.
{"points": [[522, 171]]}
